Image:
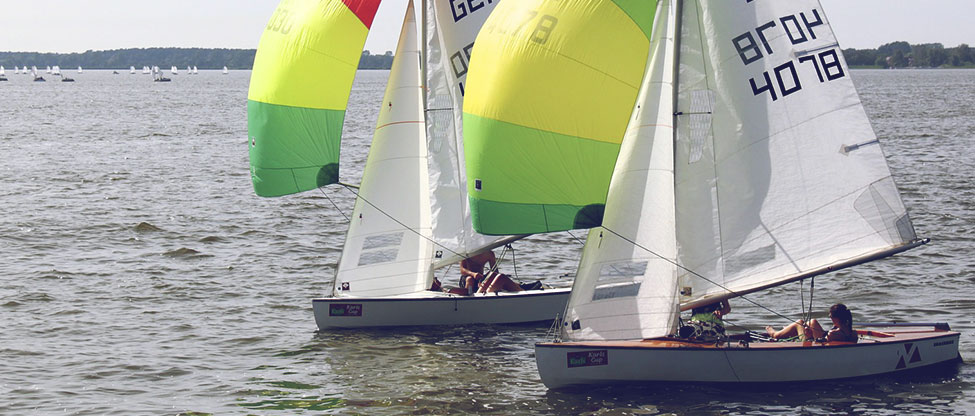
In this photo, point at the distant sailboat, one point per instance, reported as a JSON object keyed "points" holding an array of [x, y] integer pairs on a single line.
{"points": [[131, 70], [225, 71], [49, 69], [80, 71], [157, 75], [145, 70], [16, 70], [174, 70], [3, 74], [195, 71], [56, 70], [37, 78]]}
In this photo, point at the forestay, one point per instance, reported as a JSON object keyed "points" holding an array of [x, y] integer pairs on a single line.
{"points": [[777, 173], [299, 89], [550, 90]]}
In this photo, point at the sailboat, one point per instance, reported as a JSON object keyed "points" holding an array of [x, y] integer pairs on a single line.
{"points": [[195, 70], [131, 70], [157, 75], [37, 77], [146, 70], [225, 71], [410, 216], [3, 74], [174, 70], [80, 71], [748, 162], [56, 70]]}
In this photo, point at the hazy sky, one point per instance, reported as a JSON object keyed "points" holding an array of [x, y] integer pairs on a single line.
{"points": [[79, 25]]}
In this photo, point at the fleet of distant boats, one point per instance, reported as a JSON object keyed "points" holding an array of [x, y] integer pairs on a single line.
{"points": [[157, 74]]}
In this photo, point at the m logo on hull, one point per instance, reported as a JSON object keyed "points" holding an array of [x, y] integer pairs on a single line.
{"points": [[345, 309], [912, 354]]}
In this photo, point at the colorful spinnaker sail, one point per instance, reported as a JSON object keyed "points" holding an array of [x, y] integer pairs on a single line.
{"points": [[549, 93], [303, 72]]}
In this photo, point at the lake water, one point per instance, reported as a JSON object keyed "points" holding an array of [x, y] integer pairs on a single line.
{"points": [[142, 276]]}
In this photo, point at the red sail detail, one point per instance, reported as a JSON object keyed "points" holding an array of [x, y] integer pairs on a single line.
{"points": [[365, 10]]}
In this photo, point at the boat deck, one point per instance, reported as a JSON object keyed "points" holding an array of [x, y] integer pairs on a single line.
{"points": [[866, 337]]}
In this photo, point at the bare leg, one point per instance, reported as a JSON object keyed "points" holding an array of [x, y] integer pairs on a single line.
{"points": [[791, 330], [816, 330], [471, 285], [499, 282]]}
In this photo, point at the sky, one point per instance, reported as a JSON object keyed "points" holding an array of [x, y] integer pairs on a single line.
{"points": [[78, 25]]}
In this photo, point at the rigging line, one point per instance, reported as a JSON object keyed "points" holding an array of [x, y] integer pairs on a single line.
{"points": [[359, 196], [514, 264], [578, 240], [635, 244], [802, 301], [812, 287], [322, 189]]}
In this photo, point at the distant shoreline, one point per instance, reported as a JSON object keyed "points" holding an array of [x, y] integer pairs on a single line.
{"points": [[892, 55], [201, 58]]}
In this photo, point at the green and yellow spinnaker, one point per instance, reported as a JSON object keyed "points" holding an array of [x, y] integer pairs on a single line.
{"points": [[550, 90], [300, 86]]}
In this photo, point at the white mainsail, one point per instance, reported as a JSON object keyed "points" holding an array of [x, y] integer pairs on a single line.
{"points": [[2, 71], [429, 179], [448, 44], [778, 174]]}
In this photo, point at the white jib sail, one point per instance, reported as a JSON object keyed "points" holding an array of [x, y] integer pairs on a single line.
{"points": [[387, 250], [449, 33], [779, 172], [625, 287]]}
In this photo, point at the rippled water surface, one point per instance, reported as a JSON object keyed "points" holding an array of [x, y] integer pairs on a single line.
{"points": [[140, 275]]}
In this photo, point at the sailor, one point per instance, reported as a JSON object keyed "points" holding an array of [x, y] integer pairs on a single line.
{"points": [[706, 322], [474, 279]]}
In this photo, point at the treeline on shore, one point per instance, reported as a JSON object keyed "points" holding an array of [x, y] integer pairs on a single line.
{"points": [[891, 55], [202, 58], [905, 55]]}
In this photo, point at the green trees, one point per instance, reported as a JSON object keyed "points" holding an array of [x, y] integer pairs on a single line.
{"points": [[904, 55], [163, 57]]}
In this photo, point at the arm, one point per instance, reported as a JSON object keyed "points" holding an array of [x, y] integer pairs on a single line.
{"points": [[725, 309], [465, 270]]}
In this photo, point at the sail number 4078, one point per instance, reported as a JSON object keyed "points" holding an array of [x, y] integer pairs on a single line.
{"points": [[784, 80]]}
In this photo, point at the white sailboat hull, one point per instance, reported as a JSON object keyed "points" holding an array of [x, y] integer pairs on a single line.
{"points": [[878, 352], [436, 308]]}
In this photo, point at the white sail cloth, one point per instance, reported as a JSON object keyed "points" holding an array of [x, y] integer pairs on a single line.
{"points": [[777, 173], [417, 217], [387, 248]]}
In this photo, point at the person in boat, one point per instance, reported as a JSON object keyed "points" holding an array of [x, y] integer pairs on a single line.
{"points": [[842, 330], [474, 279], [706, 323]]}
